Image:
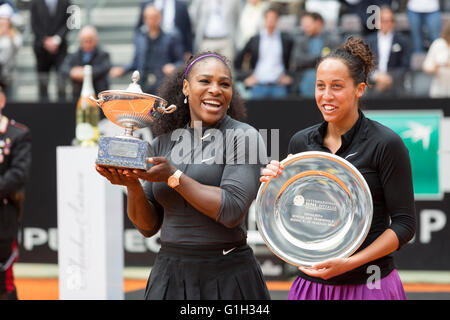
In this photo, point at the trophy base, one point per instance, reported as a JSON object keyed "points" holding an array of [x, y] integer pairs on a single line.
{"points": [[123, 152]]}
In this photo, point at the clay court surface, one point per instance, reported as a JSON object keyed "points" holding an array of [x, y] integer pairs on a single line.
{"points": [[47, 289]]}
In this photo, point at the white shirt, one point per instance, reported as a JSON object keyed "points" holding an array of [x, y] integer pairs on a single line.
{"points": [[384, 49], [270, 61], [167, 8], [423, 5], [216, 26], [51, 5]]}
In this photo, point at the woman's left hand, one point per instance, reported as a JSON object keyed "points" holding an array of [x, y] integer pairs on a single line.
{"points": [[328, 269], [161, 170]]}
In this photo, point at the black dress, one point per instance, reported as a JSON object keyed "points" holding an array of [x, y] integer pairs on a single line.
{"points": [[202, 258]]}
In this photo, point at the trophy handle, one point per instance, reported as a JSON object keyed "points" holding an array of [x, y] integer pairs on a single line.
{"points": [[99, 102], [167, 110]]}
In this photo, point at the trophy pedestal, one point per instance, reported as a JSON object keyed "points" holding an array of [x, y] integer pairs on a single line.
{"points": [[90, 229], [123, 152]]}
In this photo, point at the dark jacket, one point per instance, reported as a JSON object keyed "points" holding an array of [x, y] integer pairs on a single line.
{"points": [[251, 49], [169, 50], [182, 22], [301, 58], [400, 53], [15, 164], [398, 64], [100, 63]]}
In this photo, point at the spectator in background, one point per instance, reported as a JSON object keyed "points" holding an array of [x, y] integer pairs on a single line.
{"points": [[175, 16], [423, 13], [437, 63], [269, 53], [10, 42], [49, 25], [15, 164], [251, 21], [16, 18], [392, 55], [216, 24], [310, 44], [157, 53], [89, 53]]}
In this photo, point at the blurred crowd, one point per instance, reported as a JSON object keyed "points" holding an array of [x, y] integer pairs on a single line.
{"points": [[272, 45]]}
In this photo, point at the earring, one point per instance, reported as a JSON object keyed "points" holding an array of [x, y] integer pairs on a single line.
{"points": [[185, 100]]}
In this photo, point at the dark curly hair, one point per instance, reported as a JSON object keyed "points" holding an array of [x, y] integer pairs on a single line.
{"points": [[171, 90], [357, 56]]}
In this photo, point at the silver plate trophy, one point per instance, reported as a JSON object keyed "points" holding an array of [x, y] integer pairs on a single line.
{"points": [[319, 208], [130, 109]]}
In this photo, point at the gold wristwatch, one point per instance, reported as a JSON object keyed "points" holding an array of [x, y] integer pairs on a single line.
{"points": [[174, 180]]}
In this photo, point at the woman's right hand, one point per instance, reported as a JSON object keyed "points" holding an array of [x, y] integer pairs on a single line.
{"points": [[273, 169], [118, 176]]}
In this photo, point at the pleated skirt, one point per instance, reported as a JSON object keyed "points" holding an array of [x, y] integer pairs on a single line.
{"points": [[206, 273], [387, 288]]}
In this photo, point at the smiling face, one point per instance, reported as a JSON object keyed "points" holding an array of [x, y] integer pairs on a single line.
{"points": [[336, 93], [209, 90]]}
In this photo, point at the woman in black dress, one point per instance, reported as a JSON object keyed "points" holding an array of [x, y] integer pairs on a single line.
{"points": [[199, 189]]}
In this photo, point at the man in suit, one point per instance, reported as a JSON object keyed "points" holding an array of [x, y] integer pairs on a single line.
{"points": [[49, 25], [392, 55], [310, 44], [89, 53], [157, 53], [175, 15], [269, 55]]}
